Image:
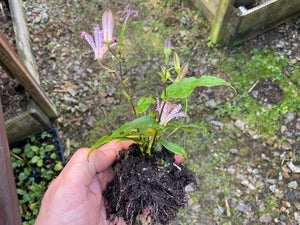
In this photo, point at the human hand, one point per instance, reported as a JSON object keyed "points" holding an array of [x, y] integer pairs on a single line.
{"points": [[75, 196]]}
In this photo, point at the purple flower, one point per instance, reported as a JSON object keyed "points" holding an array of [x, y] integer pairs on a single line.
{"points": [[108, 26], [102, 37], [168, 111], [97, 45], [130, 11]]}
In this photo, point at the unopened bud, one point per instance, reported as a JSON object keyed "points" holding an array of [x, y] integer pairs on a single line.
{"points": [[168, 47], [184, 69], [176, 63]]}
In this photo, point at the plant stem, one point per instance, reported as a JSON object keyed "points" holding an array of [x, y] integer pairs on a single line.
{"points": [[163, 106], [121, 77], [106, 68]]}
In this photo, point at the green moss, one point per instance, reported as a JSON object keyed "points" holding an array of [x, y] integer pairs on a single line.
{"points": [[245, 70]]}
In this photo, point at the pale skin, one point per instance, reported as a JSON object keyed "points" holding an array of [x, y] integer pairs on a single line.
{"points": [[75, 196]]}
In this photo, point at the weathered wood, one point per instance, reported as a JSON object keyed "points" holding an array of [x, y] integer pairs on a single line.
{"points": [[32, 121], [264, 17], [14, 67], [221, 19], [244, 24], [9, 206], [22, 37], [208, 8]]}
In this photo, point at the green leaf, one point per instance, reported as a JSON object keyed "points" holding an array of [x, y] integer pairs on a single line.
{"points": [[144, 104], [185, 87], [58, 166], [34, 148], [53, 155], [172, 147], [34, 160], [40, 163], [16, 150], [100, 142], [121, 36], [141, 123], [49, 148], [126, 95]]}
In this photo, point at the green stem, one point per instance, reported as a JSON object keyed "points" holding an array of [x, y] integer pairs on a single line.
{"points": [[121, 77], [106, 68]]}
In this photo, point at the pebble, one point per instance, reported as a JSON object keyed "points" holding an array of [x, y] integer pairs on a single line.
{"points": [[272, 188], [293, 185], [294, 169], [234, 151], [217, 123], [265, 218], [189, 188], [254, 94], [45, 17], [241, 207], [211, 103], [240, 124], [219, 210], [282, 217], [292, 195]]}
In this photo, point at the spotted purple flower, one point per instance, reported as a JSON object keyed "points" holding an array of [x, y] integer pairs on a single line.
{"points": [[168, 112], [102, 37], [98, 47]]}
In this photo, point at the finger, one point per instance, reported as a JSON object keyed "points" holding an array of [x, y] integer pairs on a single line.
{"points": [[84, 170]]}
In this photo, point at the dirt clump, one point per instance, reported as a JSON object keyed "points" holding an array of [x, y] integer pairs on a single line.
{"points": [[155, 184]]}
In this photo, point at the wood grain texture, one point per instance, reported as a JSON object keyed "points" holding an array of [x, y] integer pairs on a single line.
{"points": [[9, 206], [221, 20], [208, 8], [245, 24], [22, 37]]}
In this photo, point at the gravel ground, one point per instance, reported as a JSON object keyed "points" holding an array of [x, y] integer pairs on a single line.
{"points": [[267, 182]]}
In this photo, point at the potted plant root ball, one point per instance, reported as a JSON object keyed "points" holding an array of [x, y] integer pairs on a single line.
{"points": [[150, 178]]}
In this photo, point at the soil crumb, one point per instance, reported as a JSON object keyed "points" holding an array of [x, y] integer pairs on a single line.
{"points": [[143, 183]]}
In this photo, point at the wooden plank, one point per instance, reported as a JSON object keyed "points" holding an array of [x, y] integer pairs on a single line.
{"points": [[221, 19], [264, 17], [9, 206], [32, 121], [14, 67], [208, 8], [22, 37]]}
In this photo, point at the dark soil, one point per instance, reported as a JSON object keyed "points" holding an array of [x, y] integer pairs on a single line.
{"points": [[268, 91], [144, 182], [248, 3], [13, 96]]}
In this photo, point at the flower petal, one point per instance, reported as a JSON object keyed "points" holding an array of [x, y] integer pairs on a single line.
{"points": [[89, 39], [108, 25], [98, 36], [130, 11]]}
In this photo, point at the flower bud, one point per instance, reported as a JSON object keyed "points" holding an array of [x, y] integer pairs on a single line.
{"points": [[168, 47], [183, 71], [176, 63], [108, 26]]}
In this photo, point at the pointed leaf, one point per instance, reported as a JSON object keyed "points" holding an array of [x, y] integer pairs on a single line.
{"points": [[141, 123], [143, 104], [172, 147], [101, 141], [185, 87]]}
